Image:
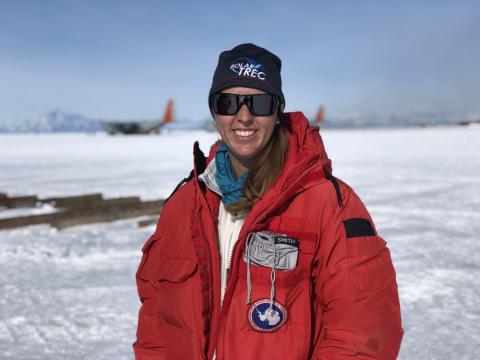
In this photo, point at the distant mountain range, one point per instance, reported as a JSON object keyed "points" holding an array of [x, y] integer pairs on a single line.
{"points": [[62, 121], [414, 118], [54, 121]]}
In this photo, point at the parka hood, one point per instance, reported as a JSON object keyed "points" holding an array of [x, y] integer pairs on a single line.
{"points": [[306, 144], [306, 164]]}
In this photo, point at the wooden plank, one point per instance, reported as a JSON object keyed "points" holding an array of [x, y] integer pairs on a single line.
{"points": [[89, 201], [22, 201], [20, 221], [77, 201], [107, 214], [3, 200], [105, 211], [147, 222], [122, 201]]}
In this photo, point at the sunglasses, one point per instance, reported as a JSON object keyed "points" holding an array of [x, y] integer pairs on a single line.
{"points": [[230, 104]]}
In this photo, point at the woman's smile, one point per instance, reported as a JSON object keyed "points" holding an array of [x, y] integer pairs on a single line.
{"points": [[244, 134]]}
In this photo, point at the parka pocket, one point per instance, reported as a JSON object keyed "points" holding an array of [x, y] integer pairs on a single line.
{"points": [[168, 282], [370, 262], [175, 270], [177, 284], [291, 287], [157, 266], [164, 269], [145, 254]]}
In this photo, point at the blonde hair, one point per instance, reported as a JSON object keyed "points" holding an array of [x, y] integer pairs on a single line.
{"points": [[266, 171]]}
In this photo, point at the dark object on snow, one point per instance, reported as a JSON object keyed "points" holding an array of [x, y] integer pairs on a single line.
{"points": [[82, 209]]}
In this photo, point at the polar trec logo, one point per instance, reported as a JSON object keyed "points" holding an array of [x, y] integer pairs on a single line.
{"points": [[248, 67]]}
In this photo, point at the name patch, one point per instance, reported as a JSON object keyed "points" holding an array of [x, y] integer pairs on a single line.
{"points": [[286, 240]]}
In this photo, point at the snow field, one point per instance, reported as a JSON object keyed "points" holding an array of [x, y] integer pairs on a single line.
{"points": [[71, 294]]}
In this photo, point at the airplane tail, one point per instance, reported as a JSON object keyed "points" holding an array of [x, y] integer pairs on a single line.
{"points": [[168, 115], [320, 115]]}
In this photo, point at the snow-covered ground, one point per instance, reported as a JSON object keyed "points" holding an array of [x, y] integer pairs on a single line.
{"points": [[71, 294]]}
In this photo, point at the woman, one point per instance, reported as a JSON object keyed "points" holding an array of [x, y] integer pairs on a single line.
{"points": [[262, 253]]}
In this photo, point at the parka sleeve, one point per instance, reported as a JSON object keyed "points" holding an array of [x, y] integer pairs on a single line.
{"points": [[357, 288], [150, 340]]}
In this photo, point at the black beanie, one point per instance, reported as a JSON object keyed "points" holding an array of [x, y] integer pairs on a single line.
{"points": [[248, 65]]}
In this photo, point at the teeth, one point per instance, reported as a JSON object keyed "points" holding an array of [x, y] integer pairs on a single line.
{"points": [[244, 133]]}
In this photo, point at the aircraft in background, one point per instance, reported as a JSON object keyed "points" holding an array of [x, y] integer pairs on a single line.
{"points": [[471, 123], [319, 118], [140, 126]]}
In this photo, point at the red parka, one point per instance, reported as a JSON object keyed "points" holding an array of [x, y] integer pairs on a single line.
{"points": [[340, 301]]}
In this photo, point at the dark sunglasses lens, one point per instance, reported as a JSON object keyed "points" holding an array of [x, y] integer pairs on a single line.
{"points": [[258, 104], [263, 105], [225, 104]]}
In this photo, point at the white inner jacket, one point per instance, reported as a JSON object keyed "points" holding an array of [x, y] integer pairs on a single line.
{"points": [[229, 226]]}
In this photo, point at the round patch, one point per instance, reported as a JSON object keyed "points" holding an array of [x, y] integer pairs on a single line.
{"points": [[262, 318]]}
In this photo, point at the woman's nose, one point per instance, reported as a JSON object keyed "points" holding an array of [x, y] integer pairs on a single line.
{"points": [[244, 113]]}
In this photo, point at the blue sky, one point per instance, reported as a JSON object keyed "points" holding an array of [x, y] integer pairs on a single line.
{"points": [[124, 59]]}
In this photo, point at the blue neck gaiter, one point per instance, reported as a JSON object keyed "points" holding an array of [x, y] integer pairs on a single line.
{"points": [[231, 188]]}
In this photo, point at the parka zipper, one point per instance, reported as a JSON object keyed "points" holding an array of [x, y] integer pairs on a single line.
{"points": [[230, 256], [230, 263], [210, 281], [229, 272], [211, 289]]}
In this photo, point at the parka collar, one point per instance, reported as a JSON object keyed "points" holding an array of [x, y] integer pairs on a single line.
{"points": [[306, 150]]}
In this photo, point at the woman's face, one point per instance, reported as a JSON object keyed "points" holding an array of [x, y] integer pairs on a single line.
{"points": [[245, 134]]}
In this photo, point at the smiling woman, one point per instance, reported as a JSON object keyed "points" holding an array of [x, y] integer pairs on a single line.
{"points": [[246, 127], [263, 253], [244, 133]]}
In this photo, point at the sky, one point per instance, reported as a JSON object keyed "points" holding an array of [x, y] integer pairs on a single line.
{"points": [[125, 59]]}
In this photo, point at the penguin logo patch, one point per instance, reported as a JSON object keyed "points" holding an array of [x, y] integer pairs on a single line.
{"points": [[263, 318]]}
